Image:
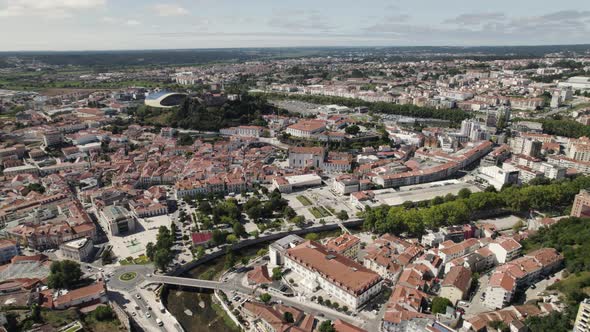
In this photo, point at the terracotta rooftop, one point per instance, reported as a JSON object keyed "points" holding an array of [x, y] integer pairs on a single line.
{"points": [[343, 272]]}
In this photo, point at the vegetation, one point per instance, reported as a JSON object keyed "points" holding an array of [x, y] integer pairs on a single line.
{"points": [[193, 114], [304, 200], [160, 253], [554, 322], [327, 326], [440, 304], [319, 212], [567, 128], [64, 274], [570, 237], [36, 187], [556, 196], [265, 298]]}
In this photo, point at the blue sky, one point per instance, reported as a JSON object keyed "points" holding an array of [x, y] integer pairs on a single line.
{"points": [[135, 24]]}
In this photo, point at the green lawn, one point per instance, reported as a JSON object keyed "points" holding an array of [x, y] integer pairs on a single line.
{"points": [[304, 200], [319, 212]]}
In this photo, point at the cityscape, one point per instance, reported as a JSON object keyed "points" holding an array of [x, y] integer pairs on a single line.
{"points": [[283, 187]]}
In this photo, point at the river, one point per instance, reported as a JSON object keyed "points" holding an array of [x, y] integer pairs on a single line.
{"points": [[194, 308]]}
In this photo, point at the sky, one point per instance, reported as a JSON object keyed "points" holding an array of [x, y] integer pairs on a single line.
{"points": [[145, 24]]}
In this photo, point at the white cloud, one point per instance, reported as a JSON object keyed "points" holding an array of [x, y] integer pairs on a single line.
{"points": [[169, 10], [46, 8], [132, 23]]}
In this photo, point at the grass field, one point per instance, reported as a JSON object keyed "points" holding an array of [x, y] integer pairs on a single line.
{"points": [[320, 212], [304, 200]]}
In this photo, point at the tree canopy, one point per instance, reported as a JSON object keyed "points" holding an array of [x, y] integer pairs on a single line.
{"points": [[556, 196], [64, 274]]}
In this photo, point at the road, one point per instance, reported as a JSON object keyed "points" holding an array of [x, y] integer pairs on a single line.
{"points": [[476, 305]]}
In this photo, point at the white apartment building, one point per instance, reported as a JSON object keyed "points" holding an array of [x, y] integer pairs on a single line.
{"points": [[505, 249]]}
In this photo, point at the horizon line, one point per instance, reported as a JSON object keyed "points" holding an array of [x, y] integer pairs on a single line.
{"points": [[289, 47]]}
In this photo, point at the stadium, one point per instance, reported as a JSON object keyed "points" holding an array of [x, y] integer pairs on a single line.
{"points": [[165, 99]]}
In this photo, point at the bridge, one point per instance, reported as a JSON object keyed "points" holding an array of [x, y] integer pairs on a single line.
{"points": [[197, 283]]}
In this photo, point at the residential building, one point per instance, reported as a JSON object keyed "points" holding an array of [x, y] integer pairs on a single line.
{"points": [[8, 249], [581, 207], [582, 323], [346, 244], [505, 249], [456, 284]]}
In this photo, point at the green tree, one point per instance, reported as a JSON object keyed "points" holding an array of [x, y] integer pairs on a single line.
{"points": [[288, 317], [440, 304], [64, 274], [327, 326], [312, 236], [36, 313], [277, 273], [352, 130], [150, 250], [162, 258], [103, 313], [342, 215], [265, 298]]}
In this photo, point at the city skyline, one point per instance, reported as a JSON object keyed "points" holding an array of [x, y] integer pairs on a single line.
{"points": [[109, 25]]}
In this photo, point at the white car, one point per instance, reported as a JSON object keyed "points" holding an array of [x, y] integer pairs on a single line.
{"points": [[147, 314]]}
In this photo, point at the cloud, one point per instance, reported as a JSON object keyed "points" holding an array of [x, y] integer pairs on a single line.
{"points": [[46, 8], [132, 23], [300, 20], [169, 10], [476, 19]]}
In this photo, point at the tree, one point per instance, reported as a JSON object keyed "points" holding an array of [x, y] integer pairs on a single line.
{"points": [[326, 326], [265, 298], [239, 229], [555, 321], [232, 238], [103, 312], [352, 130], [106, 256], [162, 259], [312, 236], [36, 313], [199, 252], [501, 326], [150, 250], [342, 215], [64, 274], [464, 193], [36, 187], [440, 304], [517, 226], [185, 139], [288, 317], [277, 273]]}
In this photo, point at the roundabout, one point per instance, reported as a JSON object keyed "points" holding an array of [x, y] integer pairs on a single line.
{"points": [[128, 276]]}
